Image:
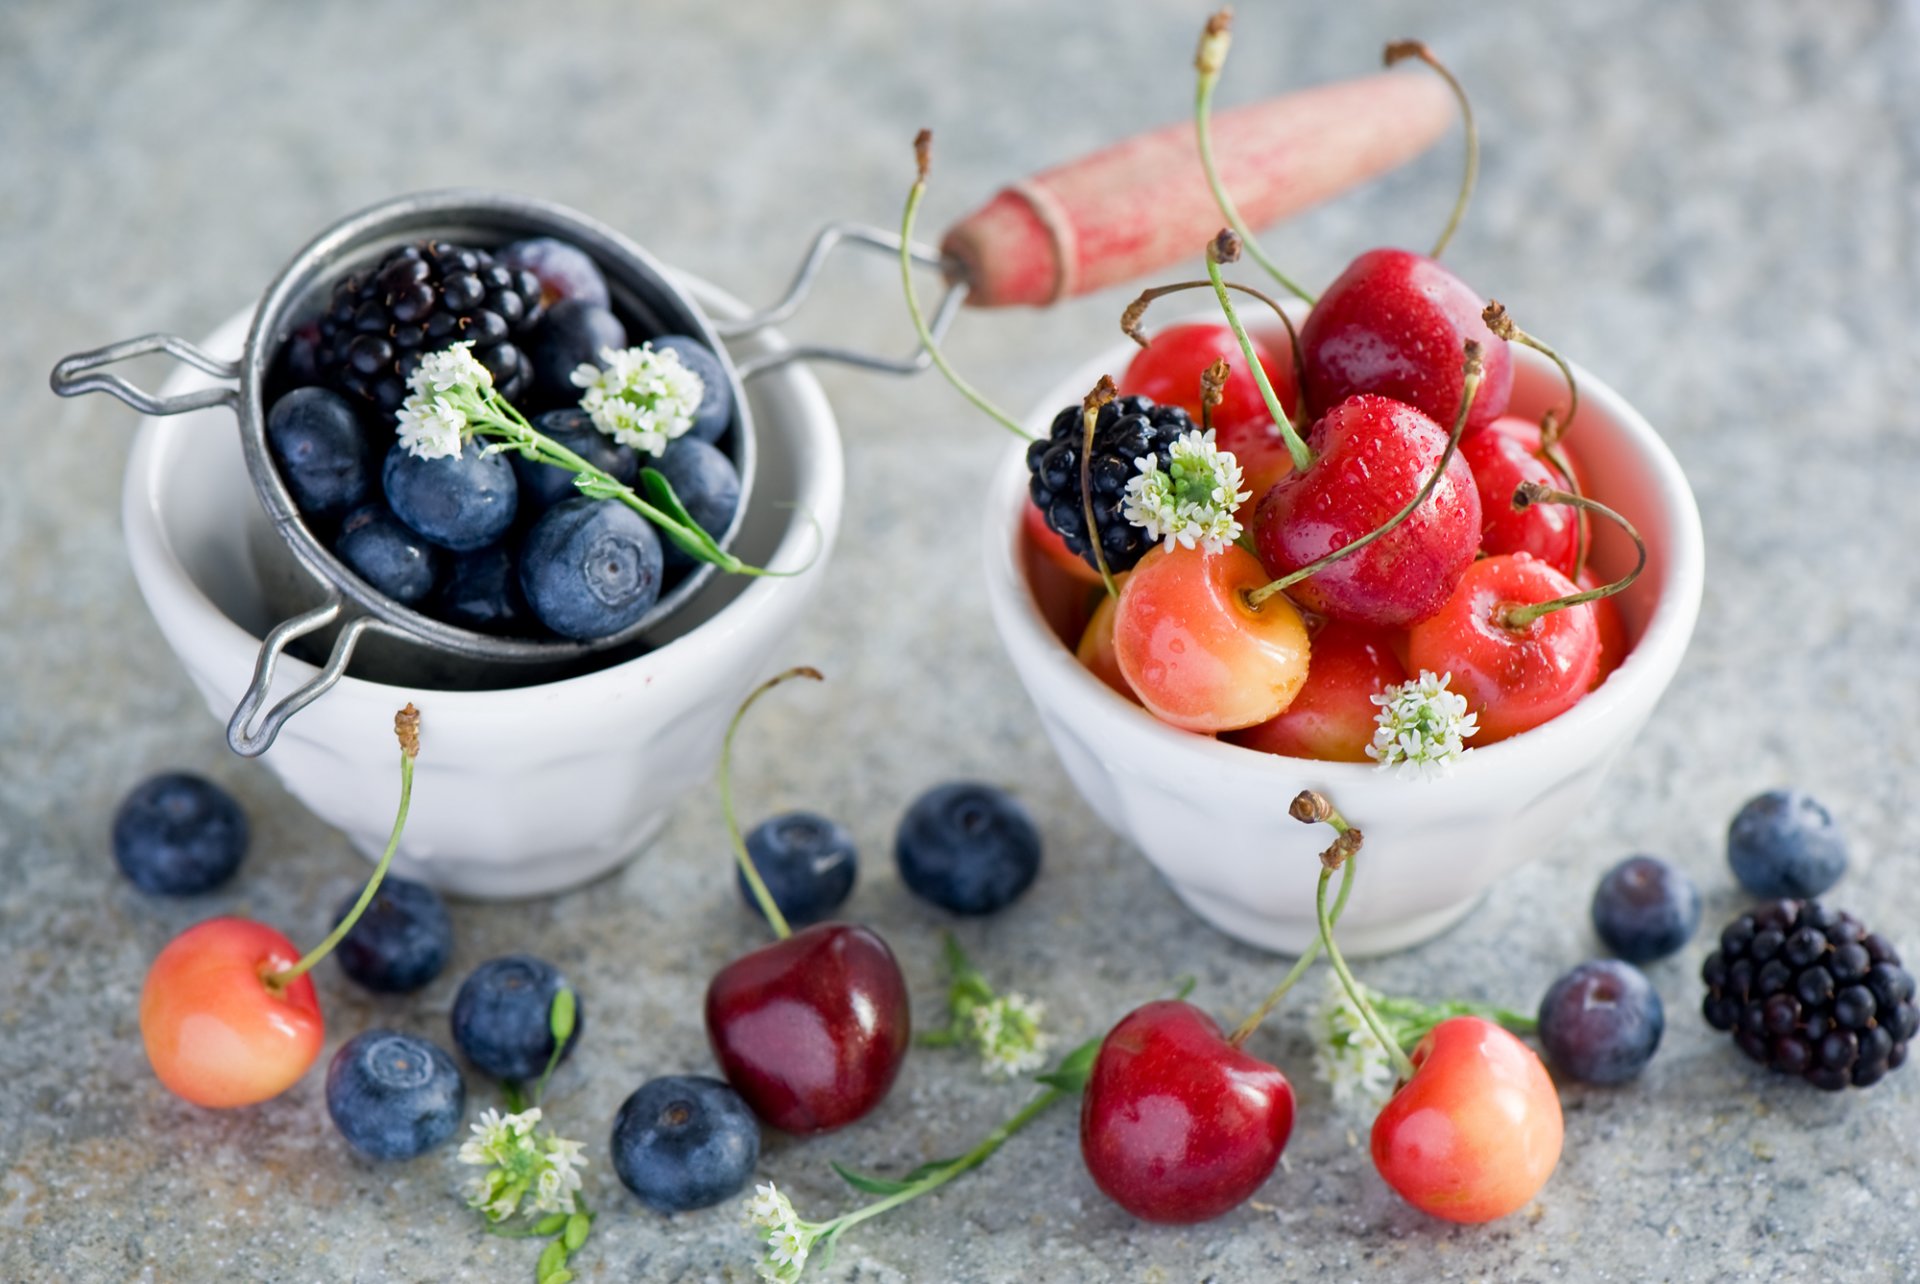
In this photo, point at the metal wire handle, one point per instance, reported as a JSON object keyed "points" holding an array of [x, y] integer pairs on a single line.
{"points": [[249, 741], [829, 239], [79, 374]]}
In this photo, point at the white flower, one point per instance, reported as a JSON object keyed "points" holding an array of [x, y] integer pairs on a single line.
{"points": [[1007, 1032], [788, 1239], [453, 369], [430, 427], [521, 1165], [443, 390], [641, 397], [1194, 501], [1347, 1055], [769, 1207], [1421, 726]]}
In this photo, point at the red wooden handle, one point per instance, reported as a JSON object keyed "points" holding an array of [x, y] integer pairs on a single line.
{"points": [[1143, 204]]}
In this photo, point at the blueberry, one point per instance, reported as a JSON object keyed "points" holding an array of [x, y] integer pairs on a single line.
{"points": [[384, 553], [1783, 843], [321, 450], [716, 402], [806, 861], [564, 271], [462, 502], [1645, 909], [569, 336], [685, 1142], [591, 568], [178, 835], [501, 1017], [544, 485], [967, 847], [401, 942], [481, 591], [394, 1096], [1601, 1022], [706, 482]]}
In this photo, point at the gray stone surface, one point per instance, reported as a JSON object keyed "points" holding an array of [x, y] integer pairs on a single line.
{"points": [[1716, 206]]}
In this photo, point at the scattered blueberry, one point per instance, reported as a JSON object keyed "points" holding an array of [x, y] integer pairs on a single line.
{"points": [[591, 568], [564, 271], [178, 835], [570, 336], [462, 502], [401, 942], [544, 485], [1645, 909], [967, 847], [1601, 1022], [685, 1142], [481, 591], [394, 1096], [1784, 843], [501, 1017], [318, 443], [806, 861], [384, 553], [706, 483], [716, 403]]}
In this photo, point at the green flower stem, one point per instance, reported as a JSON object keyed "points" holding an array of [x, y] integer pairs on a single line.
{"points": [[560, 1019], [1402, 1066], [1211, 58], [1302, 456], [922, 147], [755, 883], [278, 981], [1468, 388]]}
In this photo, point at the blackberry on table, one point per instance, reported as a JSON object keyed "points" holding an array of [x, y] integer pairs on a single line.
{"points": [[421, 298], [1127, 430], [1809, 991]]}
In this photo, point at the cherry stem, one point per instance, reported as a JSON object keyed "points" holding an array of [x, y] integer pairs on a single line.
{"points": [[1401, 50], [762, 897], [1553, 424], [1131, 318], [1528, 494], [1225, 248], [1212, 56], [1103, 392], [1213, 390], [1403, 1066], [1308, 808], [406, 727], [922, 151], [1470, 385]]}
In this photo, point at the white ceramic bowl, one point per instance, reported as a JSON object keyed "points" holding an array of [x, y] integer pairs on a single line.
{"points": [[519, 792], [1212, 816]]}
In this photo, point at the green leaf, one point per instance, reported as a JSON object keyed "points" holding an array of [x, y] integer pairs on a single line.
{"points": [[561, 1016], [868, 1185], [1074, 1069], [690, 539], [550, 1224], [577, 1227], [515, 1103], [553, 1259]]}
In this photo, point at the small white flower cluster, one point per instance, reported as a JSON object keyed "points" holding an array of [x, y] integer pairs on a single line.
{"points": [[1421, 726], [789, 1239], [1347, 1055], [441, 392], [641, 397], [1006, 1030], [1194, 501], [521, 1165]]}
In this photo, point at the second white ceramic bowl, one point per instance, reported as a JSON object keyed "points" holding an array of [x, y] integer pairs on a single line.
{"points": [[1212, 817], [518, 792]]}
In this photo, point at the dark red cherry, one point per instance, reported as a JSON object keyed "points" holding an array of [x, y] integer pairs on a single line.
{"points": [[1551, 532], [1394, 323], [811, 1030], [1514, 677], [1373, 455], [1177, 1124]]}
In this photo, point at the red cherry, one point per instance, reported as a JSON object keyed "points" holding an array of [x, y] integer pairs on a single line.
{"points": [[1476, 1132], [1194, 652], [1500, 462], [1332, 718], [1373, 455], [1527, 433], [1393, 324], [1096, 651], [1178, 1125], [1512, 677], [1168, 369], [811, 1030], [215, 1032]]}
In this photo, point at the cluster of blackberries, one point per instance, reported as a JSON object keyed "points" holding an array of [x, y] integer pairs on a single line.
{"points": [[1128, 430]]}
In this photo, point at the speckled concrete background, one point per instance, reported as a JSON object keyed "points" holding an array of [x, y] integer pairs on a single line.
{"points": [[1716, 206]]}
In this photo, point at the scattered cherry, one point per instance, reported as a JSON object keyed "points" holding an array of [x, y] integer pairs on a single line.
{"points": [[1332, 719]]}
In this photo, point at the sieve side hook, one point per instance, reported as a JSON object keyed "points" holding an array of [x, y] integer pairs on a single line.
{"points": [[250, 741], [81, 373]]}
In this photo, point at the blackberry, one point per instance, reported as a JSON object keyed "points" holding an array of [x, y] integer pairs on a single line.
{"points": [[1809, 991], [1128, 429], [421, 298]]}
